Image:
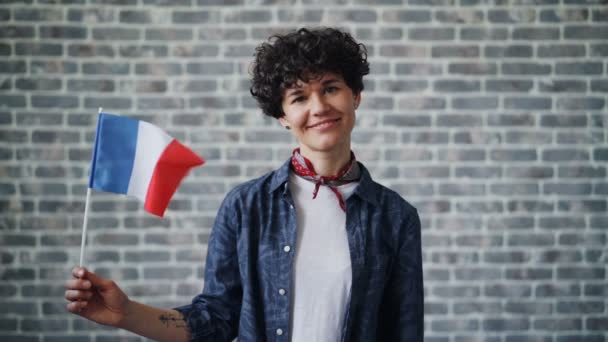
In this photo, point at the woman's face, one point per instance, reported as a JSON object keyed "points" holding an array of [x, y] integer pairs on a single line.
{"points": [[321, 113]]}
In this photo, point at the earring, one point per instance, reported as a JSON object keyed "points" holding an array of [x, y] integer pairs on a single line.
{"points": [[287, 127]]}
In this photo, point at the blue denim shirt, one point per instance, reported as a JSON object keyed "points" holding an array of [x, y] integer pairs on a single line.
{"points": [[250, 257]]}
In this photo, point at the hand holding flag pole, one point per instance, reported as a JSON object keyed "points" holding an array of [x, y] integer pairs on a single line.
{"points": [[136, 158]]}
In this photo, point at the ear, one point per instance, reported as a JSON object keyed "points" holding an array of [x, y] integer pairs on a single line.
{"points": [[283, 122], [357, 99]]}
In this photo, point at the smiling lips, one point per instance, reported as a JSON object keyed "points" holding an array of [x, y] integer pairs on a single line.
{"points": [[324, 124]]}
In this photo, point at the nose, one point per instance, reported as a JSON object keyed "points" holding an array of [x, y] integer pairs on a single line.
{"points": [[318, 105]]}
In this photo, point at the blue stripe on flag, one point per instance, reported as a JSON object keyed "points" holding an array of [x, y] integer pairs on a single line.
{"points": [[114, 153]]}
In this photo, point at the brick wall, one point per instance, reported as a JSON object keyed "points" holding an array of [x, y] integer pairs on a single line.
{"points": [[490, 116]]}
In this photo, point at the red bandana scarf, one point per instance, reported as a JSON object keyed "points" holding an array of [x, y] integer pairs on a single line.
{"points": [[303, 168]]}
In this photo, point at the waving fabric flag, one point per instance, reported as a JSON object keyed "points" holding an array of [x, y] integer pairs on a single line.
{"points": [[136, 158]]}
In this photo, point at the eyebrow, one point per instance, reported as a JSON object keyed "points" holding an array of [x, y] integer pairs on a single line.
{"points": [[298, 89]]}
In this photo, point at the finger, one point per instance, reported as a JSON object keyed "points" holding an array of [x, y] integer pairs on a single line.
{"points": [[96, 280], [78, 284], [78, 272], [78, 295], [76, 307]]}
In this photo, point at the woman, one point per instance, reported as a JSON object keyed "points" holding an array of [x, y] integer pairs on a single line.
{"points": [[313, 251]]}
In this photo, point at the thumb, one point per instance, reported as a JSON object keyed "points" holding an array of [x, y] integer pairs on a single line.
{"points": [[96, 280]]}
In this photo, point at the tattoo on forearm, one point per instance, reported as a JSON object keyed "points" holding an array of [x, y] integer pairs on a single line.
{"points": [[172, 320]]}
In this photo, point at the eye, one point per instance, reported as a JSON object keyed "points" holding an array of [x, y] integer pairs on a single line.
{"points": [[298, 99], [330, 90]]}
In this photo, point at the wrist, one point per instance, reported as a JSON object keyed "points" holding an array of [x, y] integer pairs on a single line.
{"points": [[126, 319]]}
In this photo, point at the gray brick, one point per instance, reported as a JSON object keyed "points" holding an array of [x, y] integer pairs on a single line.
{"points": [[600, 153], [215, 68], [516, 15], [165, 34], [598, 50], [477, 308], [516, 51], [250, 16], [403, 85], [525, 69], [92, 15], [38, 49], [108, 102], [191, 50], [586, 32], [15, 31], [557, 324], [596, 290], [52, 67], [472, 68], [116, 33], [432, 34], [455, 325], [12, 101], [581, 273], [568, 188], [43, 101], [475, 103], [403, 51], [536, 33], [36, 325], [557, 155], [505, 324], [599, 14], [564, 15], [550, 120], [143, 51], [106, 68], [561, 50], [582, 103], [19, 308], [526, 103], [457, 51], [461, 155], [5, 50], [135, 17], [90, 50], [456, 85], [36, 83], [566, 86], [407, 16], [96, 85], [486, 33], [300, 15], [62, 32], [557, 290], [581, 172], [579, 68]]}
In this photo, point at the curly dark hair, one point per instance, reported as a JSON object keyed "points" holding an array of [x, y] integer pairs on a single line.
{"points": [[302, 55]]}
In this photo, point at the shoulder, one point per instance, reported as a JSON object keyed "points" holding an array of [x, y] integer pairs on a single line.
{"points": [[255, 190]]}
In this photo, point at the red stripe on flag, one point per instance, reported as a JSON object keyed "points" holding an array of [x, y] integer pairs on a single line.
{"points": [[173, 165]]}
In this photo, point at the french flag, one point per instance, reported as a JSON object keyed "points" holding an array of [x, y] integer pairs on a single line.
{"points": [[136, 158]]}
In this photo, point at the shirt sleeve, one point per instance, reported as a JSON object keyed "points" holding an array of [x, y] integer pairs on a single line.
{"points": [[403, 307], [214, 314]]}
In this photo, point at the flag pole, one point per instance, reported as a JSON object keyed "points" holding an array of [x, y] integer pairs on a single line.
{"points": [[86, 219]]}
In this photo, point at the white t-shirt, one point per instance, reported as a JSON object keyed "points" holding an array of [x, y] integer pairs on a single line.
{"points": [[322, 267]]}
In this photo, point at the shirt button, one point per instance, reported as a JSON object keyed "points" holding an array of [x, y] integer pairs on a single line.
{"points": [[286, 249], [291, 206], [282, 292], [279, 332]]}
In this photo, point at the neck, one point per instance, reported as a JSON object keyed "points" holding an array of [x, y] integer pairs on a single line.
{"points": [[327, 163]]}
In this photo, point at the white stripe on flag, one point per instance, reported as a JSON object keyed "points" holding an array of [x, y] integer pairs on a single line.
{"points": [[151, 142]]}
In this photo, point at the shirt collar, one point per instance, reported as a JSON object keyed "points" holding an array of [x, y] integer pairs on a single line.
{"points": [[368, 190]]}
